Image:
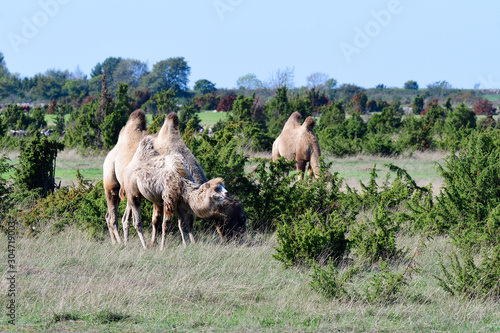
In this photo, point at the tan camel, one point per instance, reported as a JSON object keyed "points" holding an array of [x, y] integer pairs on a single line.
{"points": [[298, 142], [229, 218], [166, 181], [114, 167]]}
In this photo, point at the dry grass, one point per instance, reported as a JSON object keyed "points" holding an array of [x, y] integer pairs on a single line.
{"points": [[72, 282]]}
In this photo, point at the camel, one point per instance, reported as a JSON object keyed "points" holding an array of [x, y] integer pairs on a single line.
{"points": [[298, 142], [229, 218], [166, 181], [114, 167]]}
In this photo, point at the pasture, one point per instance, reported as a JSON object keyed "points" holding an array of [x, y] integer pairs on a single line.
{"points": [[70, 282]]}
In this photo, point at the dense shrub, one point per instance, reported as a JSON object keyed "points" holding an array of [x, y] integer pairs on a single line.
{"points": [[374, 239], [471, 190], [311, 236], [37, 158], [471, 280]]}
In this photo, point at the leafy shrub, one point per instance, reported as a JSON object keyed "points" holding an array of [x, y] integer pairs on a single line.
{"points": [[269, 194], [379, 144], [310, 236], [472, 280], [36, 170], [374, 239], [384, 286], [83, 205], [330, 282], [471, 190]]}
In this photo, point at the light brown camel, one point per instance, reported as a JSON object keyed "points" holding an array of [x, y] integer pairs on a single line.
{"points": [[229, 219], [298, 142], [166, 181], [114, 167]]}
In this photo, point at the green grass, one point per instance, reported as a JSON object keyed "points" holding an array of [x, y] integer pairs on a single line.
{"points": [[51, 119], [210, 118], [492, 97], [93, 286], [207, 118]]}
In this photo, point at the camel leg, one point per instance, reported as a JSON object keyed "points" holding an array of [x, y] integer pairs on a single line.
{"points": [[186, 221], [167, 216], [301, 167], [127, 215], [156, 223], [112, 200], [135, 204]]}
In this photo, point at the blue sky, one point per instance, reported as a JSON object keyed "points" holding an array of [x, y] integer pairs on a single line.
{"points": [[361, 42]]}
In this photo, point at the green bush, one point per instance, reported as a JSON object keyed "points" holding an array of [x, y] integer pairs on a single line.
{"points": [[471, 191], [384, 286], [374, 239], [471, 280], [330, 282], [36, 170], [311, 236]]}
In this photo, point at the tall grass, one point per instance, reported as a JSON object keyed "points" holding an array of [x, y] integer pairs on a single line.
{"points": [[72, 282]]}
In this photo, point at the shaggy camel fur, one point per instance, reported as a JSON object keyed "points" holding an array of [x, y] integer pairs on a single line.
{"points": [[229, 216], [298, 142], [114, 167], [165, 180]]}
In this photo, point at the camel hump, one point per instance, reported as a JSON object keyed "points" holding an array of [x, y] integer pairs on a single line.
{"points": [[173, 120], [309, 124], [293, 121], [138, 117]]}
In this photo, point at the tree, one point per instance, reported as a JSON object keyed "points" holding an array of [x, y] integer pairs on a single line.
{"points": [[114, 121], [278, 111], [358, 103], [281, 78], [167, 74], [110, 65], [249, 82], [242, 108], [417, 104], [226, 104], [411, 85], [317, 81], [484, 107], [439, 87], [129, 71], [204, 86]]}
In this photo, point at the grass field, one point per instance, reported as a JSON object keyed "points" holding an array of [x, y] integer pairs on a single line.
{"points": [[69, 282], [72, 282]]}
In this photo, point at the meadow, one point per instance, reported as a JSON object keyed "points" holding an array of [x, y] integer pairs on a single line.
{"points": [[71, 281]]}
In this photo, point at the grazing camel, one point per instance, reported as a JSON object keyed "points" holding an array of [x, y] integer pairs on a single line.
{"points": [[166, 181], [114, 167], [229, 218], [298, 142]]}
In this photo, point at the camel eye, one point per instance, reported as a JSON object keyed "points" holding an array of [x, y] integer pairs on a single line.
{"points": [[221, 189]]}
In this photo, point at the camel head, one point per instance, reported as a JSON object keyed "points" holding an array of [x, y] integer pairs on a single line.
{"points": [[208, 196], [229, 219]]}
